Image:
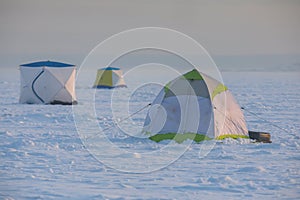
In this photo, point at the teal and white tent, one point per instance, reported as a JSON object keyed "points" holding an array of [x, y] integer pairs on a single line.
{"points": [[197, 107]]}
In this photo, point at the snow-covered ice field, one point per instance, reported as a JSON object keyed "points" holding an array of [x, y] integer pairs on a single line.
{"points": [[43, 157]]}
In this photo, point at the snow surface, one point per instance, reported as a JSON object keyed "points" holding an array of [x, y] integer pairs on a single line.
{"points": [[42, 156]]}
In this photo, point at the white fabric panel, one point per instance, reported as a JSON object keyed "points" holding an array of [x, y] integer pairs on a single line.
{"points": [[184, 113], [121, 81], [28, 74], [117, 77], [229, 119], [210, 83], [153, 121], [67, 92], [62, 95], [206, 122], [70, 85], [66, 77], [190, 115], [47, 86], [156, 118], [61, 74]]}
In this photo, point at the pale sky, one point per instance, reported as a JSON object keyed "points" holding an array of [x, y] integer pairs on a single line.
{"points": [[69, 29]]}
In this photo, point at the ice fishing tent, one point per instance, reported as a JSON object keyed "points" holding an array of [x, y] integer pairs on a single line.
{"points": [[48, 82], [110, 77], [194, 106]]}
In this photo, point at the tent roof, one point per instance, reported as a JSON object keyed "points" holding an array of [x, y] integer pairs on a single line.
{"points": [[47, 64], [110, 68], [192, 75]]}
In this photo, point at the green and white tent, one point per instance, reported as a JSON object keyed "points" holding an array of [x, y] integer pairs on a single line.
{"points": [[109, 78], [197, 107]]}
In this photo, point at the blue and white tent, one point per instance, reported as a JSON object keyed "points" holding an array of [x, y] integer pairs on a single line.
{"points": [[47, 82]]}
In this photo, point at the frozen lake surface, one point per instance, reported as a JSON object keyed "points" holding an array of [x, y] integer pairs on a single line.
{"points": [[42, 156]]}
